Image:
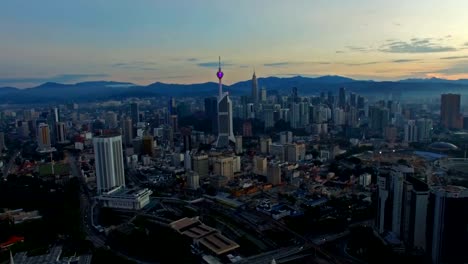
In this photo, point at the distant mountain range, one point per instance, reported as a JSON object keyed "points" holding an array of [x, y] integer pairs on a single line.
{"points": [[101, 90]]}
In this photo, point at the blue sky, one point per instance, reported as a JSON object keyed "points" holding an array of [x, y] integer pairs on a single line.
{"points": [[179, 41]]}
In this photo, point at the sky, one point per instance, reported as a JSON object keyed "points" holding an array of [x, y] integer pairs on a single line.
{"points": [[179, 41]]}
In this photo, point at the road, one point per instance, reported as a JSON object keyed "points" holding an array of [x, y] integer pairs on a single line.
{"points": [[10, 164]]}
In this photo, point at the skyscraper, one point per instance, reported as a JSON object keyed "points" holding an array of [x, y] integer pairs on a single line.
{"points": [[127, 131], [342, 98], [447, 232], [60, 132], [108, 156], [135, 113], [254, 89], [411, 132], [43, 137], [225, 130], [450, 116], [2, 141]]}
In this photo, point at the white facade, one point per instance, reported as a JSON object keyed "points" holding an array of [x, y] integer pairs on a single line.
{"points": [[109, 163], [122, 198]]}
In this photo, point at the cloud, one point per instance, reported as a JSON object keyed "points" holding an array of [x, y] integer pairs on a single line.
{"points": [[339, 51], [404, 60], [278, 64], [362, 63], [466, 44], [63, 78], [415, 45], [358, 48], [289, 63], [214, 64], [397, 24], [136, 65], [454, 57]]}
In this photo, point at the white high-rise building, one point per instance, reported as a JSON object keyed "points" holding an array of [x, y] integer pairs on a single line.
{"points": [[109, 163], [225, 130], [424, 126], [411, 132]]}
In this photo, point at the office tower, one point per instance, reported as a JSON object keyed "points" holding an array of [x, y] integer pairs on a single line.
{"points": [[260, 165], [193, 180], [200, 164], [424, 129], [397, 178], [268, 118], [111, 120], [239, 148], [339, 117], [342, 98], [265, 143], [172, 108], [286, 137], [2, 141], [108, 157], [295, 115], [225, 129], [294, 152], [250, 111], [43, 137], [186, 134], [382, 219], [127, 131], [379, 118], [415, 201], [411, 132], [174, 122], [277, 150], [53, 119], [450, 116], [187, 161], [211, 111], [148, 146], [254, 89], [247, 129], [353, 99], [60, 132], [447, 232], [134, 113], [224, 166], [28, 114], [274, 174], [294, 95], [263, 94]]}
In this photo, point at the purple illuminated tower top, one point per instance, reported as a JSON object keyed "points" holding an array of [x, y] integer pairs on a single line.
{"points": [[220, 75]]}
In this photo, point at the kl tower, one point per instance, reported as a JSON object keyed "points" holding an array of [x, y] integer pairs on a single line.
{"points": [[225, 132]]}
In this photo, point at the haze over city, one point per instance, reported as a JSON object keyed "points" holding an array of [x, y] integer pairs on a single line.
{"points": [[178, 41]]}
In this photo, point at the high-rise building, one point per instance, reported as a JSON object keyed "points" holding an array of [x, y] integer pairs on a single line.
{"points": [[265, 143], [225, 128], [274, 173], [111, 120], [148, 146], [247, 129], [450, 116], [135, 113], [2, 141], [269, 118], [239, 147], [224, 166], [200, 165], [263, 94], [43, 137], [379, 118], [260, 165], [447, 232], [108, 156], [424, 129], [60, 132], [342, 98], [127, 131], [254, 89], [193, 180], [411, 132]]}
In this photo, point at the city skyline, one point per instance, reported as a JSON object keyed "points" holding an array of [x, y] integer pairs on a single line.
{"points": [[152, 41]]}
